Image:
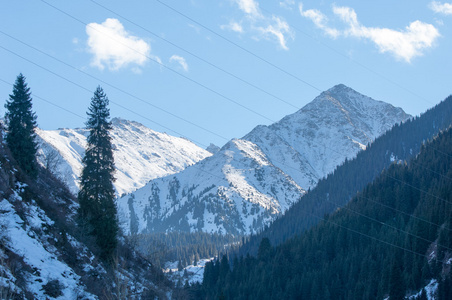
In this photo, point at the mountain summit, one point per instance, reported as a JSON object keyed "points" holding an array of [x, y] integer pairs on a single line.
{"points": [[252, 180]]}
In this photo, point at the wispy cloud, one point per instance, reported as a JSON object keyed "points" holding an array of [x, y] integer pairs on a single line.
{"points": [[260, 26], [114, 48], [403, 44], [249, 7], [279, 29], [320, 20], [441, 8], [180, 60]]}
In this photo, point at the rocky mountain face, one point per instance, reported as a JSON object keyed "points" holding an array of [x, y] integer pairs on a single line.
{"points": [[251, 181], [140, 154]]}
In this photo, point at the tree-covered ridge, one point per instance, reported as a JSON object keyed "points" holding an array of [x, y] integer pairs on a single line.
{"points": [[392, 238], [402, 142]]}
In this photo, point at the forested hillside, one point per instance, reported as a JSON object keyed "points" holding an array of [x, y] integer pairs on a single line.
{"points": [[392, 239], [402, 142]]}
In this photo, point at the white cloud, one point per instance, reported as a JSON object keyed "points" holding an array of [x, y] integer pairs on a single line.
{"points": [[445, 9], [180, 60], [234, 26], [249, 7], [279, 30], [403, 44], [113, 47], [319, 19]]}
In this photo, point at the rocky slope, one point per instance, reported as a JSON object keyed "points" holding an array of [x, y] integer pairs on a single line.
{"points": [[252, 180]]}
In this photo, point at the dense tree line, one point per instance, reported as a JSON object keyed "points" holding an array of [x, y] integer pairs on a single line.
{"points": [[392, 238], [183, 247], [402, 142]]}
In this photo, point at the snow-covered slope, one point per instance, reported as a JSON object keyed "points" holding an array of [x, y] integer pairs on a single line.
{"points": [[140, 154], [234, 191], [252, 180]]}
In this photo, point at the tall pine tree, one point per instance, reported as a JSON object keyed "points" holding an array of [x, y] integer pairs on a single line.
{"points": [[98, 211], [21, 124]]}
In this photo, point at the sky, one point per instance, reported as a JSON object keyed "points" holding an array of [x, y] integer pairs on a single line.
{"points": [[211, 71]]}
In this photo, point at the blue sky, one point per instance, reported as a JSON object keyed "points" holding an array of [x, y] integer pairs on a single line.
{"points": [[213, 70]]}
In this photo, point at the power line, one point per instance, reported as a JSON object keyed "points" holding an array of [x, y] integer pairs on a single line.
{"points": [[119, 105], [198, 57], [78, 20], [114, 87], [384, 224], [358, 196], [240, 47], [89, 91], [123, 107], [121, 90], [428, 169], [127, 109], [418, 189], [220, 178], [166, 67], [49, 102], [355, 61], [370, 237], [114, 103]]}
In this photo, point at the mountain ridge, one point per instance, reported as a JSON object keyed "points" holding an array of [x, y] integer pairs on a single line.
{"points": [[252, 180], [140, 153]]}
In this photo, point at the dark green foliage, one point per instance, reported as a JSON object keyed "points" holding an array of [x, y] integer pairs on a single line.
{"points": [[396, 284], [380, 244], [182, 247], [264, 249], [445, 288], [21, 124], [98, 213]]}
